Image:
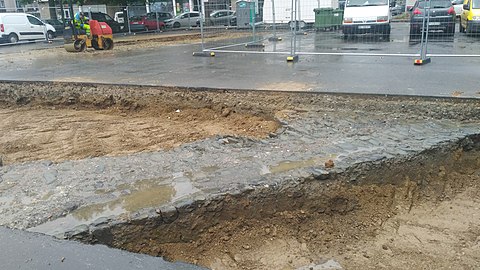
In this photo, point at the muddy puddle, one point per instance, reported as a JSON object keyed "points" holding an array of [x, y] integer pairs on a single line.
{"points": [[406, 213], [129, 199]]}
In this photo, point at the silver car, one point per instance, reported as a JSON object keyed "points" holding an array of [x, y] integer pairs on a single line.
{"points": [[221, 17], [186, 19]]}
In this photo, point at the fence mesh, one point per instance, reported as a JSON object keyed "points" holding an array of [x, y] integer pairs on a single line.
{"points": [[356, 27]]}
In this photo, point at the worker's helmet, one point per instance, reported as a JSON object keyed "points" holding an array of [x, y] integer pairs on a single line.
{"points": [[79, 15]]}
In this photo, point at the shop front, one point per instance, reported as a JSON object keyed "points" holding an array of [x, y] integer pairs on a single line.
{"points": [[175, 7]]}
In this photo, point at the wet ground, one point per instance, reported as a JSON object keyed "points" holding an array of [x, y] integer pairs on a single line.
{"points": [[244, 179], [321, 167], [159, 64]]}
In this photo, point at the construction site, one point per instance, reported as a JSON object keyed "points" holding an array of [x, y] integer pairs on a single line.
{"points": [[268, 173]]}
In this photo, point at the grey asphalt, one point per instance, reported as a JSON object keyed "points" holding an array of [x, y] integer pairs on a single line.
{"points": [[26, 250], [175, 66]]}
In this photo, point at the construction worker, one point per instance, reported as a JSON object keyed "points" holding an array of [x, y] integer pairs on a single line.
{"points": [[81, 22]]}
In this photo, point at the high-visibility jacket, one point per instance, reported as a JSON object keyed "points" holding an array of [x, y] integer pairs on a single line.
{"points": [[81, 23]]}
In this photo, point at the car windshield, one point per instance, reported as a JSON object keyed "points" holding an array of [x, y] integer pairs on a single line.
{"points": [[359, 3], [135, 18], [184, 15], [476, 4], [435, 4]]}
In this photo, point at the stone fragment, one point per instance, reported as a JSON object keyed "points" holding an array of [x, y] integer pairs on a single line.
{"points": [[319, 174], [226, 112], [329, 164], [50, 177]]}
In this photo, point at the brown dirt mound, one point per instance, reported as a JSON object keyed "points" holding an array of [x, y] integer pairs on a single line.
{"points": [[63, 133]]}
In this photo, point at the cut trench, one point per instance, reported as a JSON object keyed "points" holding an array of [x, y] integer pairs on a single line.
{"points": [[303, 222], [345, 217]]}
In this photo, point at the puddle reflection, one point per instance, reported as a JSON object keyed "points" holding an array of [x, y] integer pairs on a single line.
{"points": [[139, 195]]}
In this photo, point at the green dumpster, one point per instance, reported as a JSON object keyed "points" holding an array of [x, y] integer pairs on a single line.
{"points": [[337, 17], [328, 18], [323, 17]]}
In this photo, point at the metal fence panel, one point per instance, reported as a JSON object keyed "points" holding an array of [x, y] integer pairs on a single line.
{"points": [[352, 27], [294, 27]]}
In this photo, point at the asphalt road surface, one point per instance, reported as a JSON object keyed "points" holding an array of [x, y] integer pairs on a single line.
{"points": [[174, 65], [25, 250]]}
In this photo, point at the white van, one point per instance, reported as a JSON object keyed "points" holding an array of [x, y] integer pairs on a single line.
{"points": [[283, 11], [16, 27], [367, 16], [119, 17]]}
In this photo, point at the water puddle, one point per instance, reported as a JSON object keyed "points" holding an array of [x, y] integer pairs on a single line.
{"points": [[139, 195]]}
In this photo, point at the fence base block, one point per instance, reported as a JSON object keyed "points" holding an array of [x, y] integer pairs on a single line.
{"points": [[274, 39], [292, 58], [419, 62], [255, 45], [204, 54]]}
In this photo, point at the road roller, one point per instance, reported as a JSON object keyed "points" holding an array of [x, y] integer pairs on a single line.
{"points": [[100, 38]]}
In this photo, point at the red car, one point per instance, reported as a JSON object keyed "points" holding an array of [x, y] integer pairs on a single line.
{"points": [[151, 21]]}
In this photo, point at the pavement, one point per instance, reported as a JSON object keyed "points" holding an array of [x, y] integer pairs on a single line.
{"points": [[24, 251]]}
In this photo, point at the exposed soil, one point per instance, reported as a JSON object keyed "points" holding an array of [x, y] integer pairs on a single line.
{"points": [[417, 213], [64, 133], [424, 218], [61, 121]]}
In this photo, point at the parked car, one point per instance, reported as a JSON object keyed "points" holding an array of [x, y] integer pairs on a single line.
{"points": [[149, 22], [57, 24], [186, 19], [470, 18], [136, 24], [221, 17], [442, 18], [233, 20], [102, 17], [16, 27], [458, 6], [160, 16], [397, 10]]}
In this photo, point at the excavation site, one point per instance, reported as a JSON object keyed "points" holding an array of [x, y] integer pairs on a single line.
{"points": [[239, 179]]}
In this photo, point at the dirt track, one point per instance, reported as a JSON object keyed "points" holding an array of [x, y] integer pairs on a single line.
{"points": [[426, 218]]}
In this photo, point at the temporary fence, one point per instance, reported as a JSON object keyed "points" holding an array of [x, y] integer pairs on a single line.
{"points": [[292, 28], [331, 27]]}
